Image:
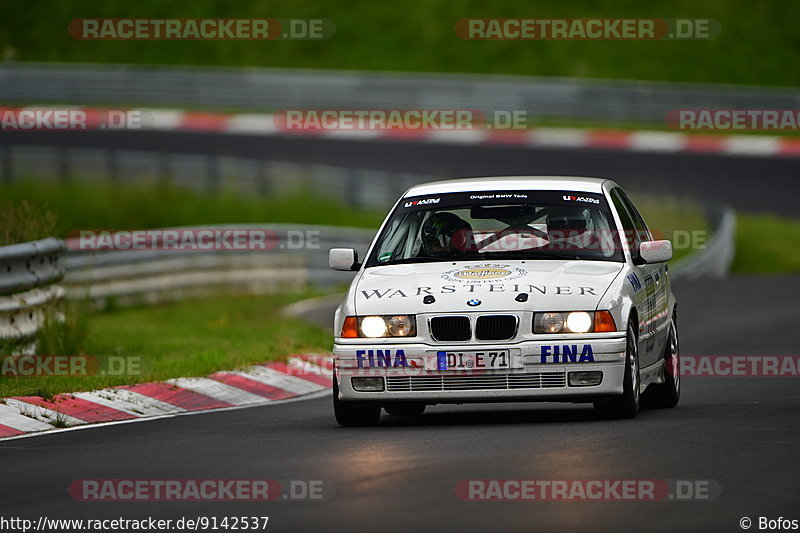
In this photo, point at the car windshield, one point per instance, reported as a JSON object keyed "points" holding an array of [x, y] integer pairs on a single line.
{"points": [[501, 224]]}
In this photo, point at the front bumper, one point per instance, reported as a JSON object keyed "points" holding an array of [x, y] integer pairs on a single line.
{"points": [[539, 371]]}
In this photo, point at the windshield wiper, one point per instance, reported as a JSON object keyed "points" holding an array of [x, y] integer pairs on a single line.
{"points": [[414, 260], [534, 255]]}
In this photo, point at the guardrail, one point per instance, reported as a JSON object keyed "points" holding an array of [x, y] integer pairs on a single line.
{"points": [[271, 88], [30, 264], [124, 277], [356, 187], [28, 273], [716, 258]]}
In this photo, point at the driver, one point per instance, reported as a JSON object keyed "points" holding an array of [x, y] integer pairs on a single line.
{"points": [[569, 227], [445, 235]]}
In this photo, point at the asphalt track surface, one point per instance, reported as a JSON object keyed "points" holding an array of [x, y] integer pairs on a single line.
{"points": [[742, 433], [754, 184]]}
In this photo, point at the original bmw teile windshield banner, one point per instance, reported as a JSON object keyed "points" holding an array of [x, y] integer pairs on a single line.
{"points": [[558, 198]]}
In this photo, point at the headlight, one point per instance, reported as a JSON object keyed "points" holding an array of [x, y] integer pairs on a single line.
{"points": [[573, 322], [399, 326], [550, 322], [579, 322], [374, 327]]}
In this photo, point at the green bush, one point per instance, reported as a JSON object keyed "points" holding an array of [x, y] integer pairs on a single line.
{"points": [[757, 45]]}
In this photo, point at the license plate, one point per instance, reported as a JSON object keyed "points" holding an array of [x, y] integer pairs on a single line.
{"points": [[488, 360]]}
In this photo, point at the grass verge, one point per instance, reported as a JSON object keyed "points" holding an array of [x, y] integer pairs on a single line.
{"points": [[24, 220], [80, 205], [191, 338], [419, 36], [766, 244], [680, 220]]}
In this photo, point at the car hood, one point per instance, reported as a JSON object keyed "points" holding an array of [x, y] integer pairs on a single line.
{"points": [[483, 286]]}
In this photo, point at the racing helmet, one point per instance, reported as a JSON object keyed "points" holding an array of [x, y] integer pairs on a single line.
{"points": [[570, 225], [445, 235]]}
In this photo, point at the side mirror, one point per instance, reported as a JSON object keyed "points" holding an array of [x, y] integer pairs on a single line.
{"points": [[655, 251], [343, 259]]}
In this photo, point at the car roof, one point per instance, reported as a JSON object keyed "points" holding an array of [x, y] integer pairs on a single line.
{"points": [[507, 183]]}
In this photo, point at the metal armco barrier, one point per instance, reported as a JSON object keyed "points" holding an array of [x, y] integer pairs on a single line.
{"points": [[272, 89], [211, 174], [28, 273], [148, 276], [21, 315], [30, 264], [716, 258]]}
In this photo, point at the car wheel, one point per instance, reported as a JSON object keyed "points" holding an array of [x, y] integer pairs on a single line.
{"points": [[350, 414], [667, 394], [405, 408], [626, 405]]}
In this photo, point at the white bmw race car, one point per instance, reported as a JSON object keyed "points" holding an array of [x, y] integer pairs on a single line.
{"points": [[507, 289]]}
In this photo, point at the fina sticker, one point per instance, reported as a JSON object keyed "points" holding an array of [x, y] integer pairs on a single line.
{"points": [[485, 272], [384, 359], [566, 353]]}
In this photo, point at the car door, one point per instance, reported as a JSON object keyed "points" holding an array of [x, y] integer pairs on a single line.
{"points": [[646, 279], [660, 299]]}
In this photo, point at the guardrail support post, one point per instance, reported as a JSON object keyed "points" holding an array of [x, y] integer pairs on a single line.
{"points": [[112, 162], [64, 164], [164, 168], [262, 177], [354, 184], [212, 174], [8, 164]]}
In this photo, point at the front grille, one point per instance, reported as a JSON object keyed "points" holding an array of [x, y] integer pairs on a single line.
{"points": [[539, 380], [496, 327], [450, 328]]}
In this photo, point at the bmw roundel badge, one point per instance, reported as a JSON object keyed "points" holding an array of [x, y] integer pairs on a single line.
{"points": [[473, 302]]}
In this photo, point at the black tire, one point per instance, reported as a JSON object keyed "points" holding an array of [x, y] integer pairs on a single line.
{"points": [[353, 414], [667, 394], [405, 408], [626, 405]]}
